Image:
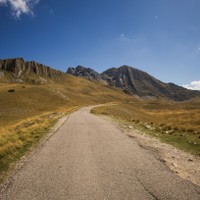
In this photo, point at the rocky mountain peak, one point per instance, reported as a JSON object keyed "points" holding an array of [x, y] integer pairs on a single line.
{"points": [[87, 73], [136, 82]]}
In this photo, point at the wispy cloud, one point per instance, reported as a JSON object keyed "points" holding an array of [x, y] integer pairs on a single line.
{"points": [[3, 2], [139, 39], [194, 85], [19, 7], [124, 38]]}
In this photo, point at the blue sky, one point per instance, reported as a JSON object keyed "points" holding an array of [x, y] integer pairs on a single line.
{"points": [[161, 37]]}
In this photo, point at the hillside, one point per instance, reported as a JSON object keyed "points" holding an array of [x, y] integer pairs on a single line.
{"points": [[33, 97], [29, 89], [136, 82]]}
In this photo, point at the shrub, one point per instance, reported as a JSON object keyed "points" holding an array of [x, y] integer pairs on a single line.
{"points": [[11, 90]]}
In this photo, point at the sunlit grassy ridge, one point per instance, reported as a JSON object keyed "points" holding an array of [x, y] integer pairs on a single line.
{"points": [[19, 101], [172, 122]]}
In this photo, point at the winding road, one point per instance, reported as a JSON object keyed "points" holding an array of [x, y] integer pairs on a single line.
{"points": [[88, 158]]}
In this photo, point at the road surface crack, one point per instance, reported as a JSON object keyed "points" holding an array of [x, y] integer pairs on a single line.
{"points": [[146, 189]]}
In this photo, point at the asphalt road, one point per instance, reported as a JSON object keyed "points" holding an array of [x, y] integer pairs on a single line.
{"points": [[90, 159]]}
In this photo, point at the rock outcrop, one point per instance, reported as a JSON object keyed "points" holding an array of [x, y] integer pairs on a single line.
{"points": [[87, 73], [24, 71]]}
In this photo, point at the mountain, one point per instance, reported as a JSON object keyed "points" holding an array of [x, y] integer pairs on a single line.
{"points": [[137, 82], [18, 70], [87, 73], [126, 78], [45, 87], [29, 89]]}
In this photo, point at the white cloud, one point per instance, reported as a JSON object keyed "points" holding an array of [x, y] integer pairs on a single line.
{"points": [[19, 7], [3, 1], [194, 85], [124, 38]]}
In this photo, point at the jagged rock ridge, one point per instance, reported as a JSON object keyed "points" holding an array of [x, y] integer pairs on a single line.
{"points": [[137, 82], [23, 71], [87, 73]]}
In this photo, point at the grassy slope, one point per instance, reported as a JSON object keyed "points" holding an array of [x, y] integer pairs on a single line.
{"points": [[30, 110], [172, 122], [29, 100], [27, 111]]}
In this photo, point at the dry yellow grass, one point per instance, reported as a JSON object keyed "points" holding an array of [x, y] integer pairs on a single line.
{"points": [[27, 111], [177, 123]]}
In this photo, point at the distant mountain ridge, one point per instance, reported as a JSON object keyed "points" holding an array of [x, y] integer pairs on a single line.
{"points": [[132, 81], [136, 82], [19, 70], [87, 73]]}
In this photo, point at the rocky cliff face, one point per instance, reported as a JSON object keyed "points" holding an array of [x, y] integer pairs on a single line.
{"points": [[137, 82], [87, 73], [22, 70]]}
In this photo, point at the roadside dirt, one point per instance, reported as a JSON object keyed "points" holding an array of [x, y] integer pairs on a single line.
{"points": [[90, 158], [184, 164]]}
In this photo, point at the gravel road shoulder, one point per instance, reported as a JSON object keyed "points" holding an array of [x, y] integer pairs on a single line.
{"points": [[184, 164]]}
